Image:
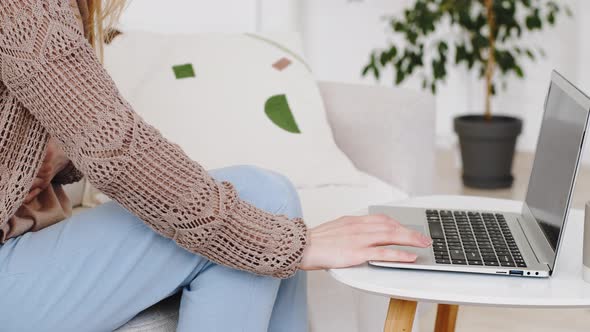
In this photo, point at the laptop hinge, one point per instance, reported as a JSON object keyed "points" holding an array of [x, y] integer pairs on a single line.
{"points": [[529, 242], [536, 240]]}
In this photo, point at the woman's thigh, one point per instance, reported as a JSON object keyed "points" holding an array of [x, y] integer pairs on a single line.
{"points": [[92, 272], [265, 189], [99, 268], [258, 303]]}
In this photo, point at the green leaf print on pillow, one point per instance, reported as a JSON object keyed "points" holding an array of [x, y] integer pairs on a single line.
{"points": [[278, 111], [183, 71]]}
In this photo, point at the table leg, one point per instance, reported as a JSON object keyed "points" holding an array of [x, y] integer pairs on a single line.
{"points": [[446, 317], [400, 316]]}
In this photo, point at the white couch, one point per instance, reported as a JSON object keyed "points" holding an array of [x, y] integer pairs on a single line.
{"points": [[388, 133]]}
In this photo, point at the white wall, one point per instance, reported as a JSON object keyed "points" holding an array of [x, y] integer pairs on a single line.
{"points": [[190, 16], [584, 42], [338, 36], [583, 56], [186, 16]]}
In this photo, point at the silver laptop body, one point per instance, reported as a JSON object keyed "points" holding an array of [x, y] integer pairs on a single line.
{"points": [[537, 230]]}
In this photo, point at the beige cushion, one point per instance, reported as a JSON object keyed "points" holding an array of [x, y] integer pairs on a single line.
{"points": [[241, 99]]}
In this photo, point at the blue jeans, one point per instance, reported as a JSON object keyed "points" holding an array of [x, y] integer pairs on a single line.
{"points": [[97, 269]]}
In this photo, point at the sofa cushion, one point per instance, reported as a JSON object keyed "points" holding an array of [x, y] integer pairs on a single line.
{"points": [[325, 203], [161, 317], [231, 99], [332, 305]]}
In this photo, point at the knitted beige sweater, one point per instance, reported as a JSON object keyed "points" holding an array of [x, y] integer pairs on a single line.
{"points": [[54, 85]]}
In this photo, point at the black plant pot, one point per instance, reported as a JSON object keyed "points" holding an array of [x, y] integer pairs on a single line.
{"points": [[487, 149]]}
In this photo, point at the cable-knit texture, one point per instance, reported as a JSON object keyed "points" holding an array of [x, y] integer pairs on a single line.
{"points": [[48, 65]]}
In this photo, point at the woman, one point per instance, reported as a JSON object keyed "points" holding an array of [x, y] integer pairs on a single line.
{"points": [[231, 239]]}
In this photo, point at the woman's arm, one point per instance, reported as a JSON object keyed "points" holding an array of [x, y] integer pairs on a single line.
{"points": [[22, 148], [48, 65]]}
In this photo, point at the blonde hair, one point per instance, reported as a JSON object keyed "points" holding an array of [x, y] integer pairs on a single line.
{"points": [[103, 16]]}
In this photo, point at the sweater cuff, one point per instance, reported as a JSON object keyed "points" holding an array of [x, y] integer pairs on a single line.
{"points": [[284, 245], [302, 236]]}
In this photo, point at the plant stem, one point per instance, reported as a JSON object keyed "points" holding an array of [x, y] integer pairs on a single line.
{"points": [[491, 63]]}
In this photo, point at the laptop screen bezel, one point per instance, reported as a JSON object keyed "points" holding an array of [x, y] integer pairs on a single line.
{"points": [[584, 101]]}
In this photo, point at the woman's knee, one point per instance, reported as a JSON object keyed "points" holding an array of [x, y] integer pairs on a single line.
{"points": [[265, 189]]}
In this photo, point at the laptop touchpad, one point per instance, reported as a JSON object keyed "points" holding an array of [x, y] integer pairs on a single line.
{"points": [[421, 252]]}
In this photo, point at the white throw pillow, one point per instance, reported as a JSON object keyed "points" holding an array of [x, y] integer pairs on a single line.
{"points": [[230, 99]]}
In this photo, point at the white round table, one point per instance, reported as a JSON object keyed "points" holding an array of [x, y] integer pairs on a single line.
{"points": [[564, 289]]}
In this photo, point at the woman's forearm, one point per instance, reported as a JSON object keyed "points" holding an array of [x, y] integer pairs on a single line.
{"points": [[22, 147], [59, 80]]}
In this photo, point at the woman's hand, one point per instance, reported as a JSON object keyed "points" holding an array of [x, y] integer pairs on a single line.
{"points": [[55, 161], [350, 241]]}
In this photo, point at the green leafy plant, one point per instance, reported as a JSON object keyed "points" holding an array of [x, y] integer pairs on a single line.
{"points": [[487, 38]]}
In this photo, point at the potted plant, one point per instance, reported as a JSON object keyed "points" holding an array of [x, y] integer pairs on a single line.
{"points": [[488, 42]]}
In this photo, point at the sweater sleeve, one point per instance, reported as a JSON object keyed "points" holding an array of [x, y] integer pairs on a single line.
{"points": [[48, 65], [22, 147]]}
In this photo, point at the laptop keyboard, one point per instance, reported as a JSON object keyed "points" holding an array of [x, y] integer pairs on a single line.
{"points": [[472, 238]]}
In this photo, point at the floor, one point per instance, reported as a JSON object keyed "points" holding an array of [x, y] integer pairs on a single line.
{"points": [[448, 179], [483, 319]]}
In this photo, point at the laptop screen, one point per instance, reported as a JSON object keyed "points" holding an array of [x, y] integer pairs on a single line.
{"points": [[556, 159]]}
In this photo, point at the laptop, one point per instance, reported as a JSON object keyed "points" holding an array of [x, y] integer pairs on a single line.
{"points": [[524, 244]]}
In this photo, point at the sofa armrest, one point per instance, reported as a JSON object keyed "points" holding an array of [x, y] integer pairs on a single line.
{"points": [[386, 132]]}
